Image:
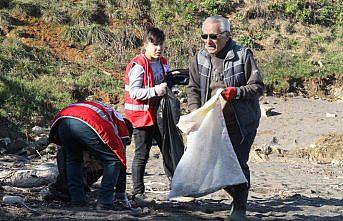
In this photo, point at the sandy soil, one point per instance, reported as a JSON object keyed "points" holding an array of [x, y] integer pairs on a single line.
{"points": [[299, 121], [284, 186]]}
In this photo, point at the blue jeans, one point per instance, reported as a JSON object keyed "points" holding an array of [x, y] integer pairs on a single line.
{"points": [[77, 136]]}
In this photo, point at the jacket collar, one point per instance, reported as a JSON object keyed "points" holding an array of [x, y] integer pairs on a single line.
{"points": [[230, 45]]}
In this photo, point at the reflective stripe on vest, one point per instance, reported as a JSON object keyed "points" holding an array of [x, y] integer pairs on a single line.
{"points": [[127, 87], [136, 107], [99, 112]]}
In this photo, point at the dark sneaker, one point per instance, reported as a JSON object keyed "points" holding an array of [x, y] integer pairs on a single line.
{"points": [[119, 207], [238, 215], [102, 206], [79, 205], [143, 200], [123, 201], [51, 194]]}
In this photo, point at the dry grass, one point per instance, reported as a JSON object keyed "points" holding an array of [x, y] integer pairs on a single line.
{"points": [[328, 149]]}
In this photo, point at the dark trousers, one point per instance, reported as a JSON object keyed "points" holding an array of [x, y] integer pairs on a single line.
{"points": [[77, 136], [242, 151], [143, 137]]}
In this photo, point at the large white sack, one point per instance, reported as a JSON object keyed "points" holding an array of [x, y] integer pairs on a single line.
{"points": [[209, 162]]}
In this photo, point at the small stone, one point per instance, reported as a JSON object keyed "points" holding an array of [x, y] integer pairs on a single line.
{"points": [[37, 129], [313, 146], [12, 200], [330, 115], [5, 141], [146, 210], [16, 146], [41, 140]]}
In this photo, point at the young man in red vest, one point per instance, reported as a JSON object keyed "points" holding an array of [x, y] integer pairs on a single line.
{"points": [[96, 127], [144, 86]]}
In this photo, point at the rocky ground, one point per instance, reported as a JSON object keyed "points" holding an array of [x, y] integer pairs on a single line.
{"points": [[296, 173]]}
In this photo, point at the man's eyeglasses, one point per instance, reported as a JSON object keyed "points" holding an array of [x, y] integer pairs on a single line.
{"points": [[212, 36]]}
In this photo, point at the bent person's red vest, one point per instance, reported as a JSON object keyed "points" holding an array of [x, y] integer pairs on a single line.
{"points": [[141, 112], [105, 121]]}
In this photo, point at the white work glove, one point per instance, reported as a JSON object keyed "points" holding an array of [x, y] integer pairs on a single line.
{"points": [[161, 89]]}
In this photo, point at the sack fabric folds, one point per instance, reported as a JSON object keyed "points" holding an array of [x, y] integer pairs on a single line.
{"points": [[209, 162]]}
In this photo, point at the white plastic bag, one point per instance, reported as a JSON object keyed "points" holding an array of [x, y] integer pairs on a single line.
{"points": [[209, 162]]}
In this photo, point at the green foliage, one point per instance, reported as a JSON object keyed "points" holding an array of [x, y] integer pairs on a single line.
{"points": [[283, 65], [214, 7], [180, 50], [246, 40], [6, 22], [301, 40], [123, 47], [83, 14], [92, 78], [134, 12], [320, 12], [54, 14], [181, 15], [294, 43], [239, 16], [34, 85], [249, 41], [4, 3], [21, 66], [26, 8], [89, 34], [19, 60]]}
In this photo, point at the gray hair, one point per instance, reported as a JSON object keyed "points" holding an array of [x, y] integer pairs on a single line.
{"points": [[224, 23]]}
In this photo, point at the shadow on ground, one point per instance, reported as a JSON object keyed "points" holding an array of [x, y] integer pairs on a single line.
{"points": [[274, 208], [292, 208]]}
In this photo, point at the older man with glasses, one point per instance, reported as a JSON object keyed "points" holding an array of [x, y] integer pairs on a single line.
{"points": [[223, 64]]}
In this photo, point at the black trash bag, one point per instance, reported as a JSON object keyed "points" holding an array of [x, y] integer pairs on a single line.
{"points": [[177, 77], [167, 117]]}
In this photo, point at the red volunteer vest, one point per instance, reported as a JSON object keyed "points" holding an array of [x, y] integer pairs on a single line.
{"points": [[105, 121], [141, 112]]}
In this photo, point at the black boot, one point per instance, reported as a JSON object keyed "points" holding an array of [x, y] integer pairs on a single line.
{"points": [[239, 204]]}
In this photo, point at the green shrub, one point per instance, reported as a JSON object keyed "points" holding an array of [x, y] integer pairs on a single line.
{"points": [[26, 8], [6, 22], [246, 40], [123, 47], [19, 60], [135, 11], [34, 85], [280, 66], [320, 12], [82, 15], [5, 18], [55, 14], [4, 3], [89, 34]]}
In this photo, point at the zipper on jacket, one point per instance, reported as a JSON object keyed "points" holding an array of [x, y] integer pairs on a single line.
{"points": [[208, 82]]}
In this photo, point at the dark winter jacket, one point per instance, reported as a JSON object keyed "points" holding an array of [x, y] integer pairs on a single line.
{"points": [[240, 70]]}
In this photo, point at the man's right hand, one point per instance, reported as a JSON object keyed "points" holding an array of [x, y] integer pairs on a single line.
{"points": [[161, 89], [229, 93]]}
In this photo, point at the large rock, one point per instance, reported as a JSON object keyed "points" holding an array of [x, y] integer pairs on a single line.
{"points": [[12, 146], [36, 177]]}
